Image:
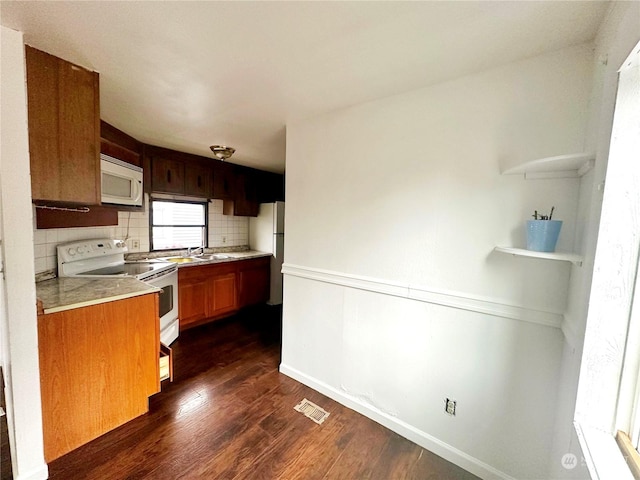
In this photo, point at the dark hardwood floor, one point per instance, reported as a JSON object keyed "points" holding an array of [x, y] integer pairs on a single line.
{"points": [[229, 415], [5, 452]]}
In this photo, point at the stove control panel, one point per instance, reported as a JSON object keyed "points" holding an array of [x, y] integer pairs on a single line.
{"points": [[88, 249]]}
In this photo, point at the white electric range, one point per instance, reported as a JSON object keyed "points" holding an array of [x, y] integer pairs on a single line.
{"points": [[104, 257]]}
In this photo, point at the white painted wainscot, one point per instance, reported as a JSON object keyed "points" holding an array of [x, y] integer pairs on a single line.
{"points": [[380, 324]]}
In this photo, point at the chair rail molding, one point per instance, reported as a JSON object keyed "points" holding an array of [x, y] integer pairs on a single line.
{"points": [[451, 299]]}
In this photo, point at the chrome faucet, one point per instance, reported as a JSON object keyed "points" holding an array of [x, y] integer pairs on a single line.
{"points": [[192, 252]]}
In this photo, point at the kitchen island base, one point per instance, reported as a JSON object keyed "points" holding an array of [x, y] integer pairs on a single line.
{"points": [[98, 368]]}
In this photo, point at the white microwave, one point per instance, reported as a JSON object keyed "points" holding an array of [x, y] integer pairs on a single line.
{"points": [[121, 182]]}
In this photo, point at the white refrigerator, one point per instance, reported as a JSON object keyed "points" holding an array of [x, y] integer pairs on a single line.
{"points": [[266, 234]]}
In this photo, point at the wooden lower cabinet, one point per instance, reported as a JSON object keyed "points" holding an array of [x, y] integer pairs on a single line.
{"points": [[213, 291], [254, 281], [206, 292], [98, 367]]}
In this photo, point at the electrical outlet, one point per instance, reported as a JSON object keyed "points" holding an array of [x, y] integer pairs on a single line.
{"points": [[135, 243], [224, 239], [450, 406]]}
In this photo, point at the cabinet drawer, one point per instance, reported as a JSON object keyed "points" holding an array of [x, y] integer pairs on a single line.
{"points": [[166, 363]]}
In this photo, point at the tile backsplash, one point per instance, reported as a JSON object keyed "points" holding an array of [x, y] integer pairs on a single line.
{"points": [[224, 231]]}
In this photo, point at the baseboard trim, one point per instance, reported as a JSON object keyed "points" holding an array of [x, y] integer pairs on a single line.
{"points": [[420, 293], [444, 450], [40, 473]]}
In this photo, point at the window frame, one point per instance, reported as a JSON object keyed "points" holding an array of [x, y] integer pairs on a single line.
{"points": [[608, 400], [204, 203]]}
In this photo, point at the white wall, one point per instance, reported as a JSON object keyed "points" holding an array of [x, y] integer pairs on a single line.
{"points": [[25, 418], [617, 35], [394, 298], [224, 231]]}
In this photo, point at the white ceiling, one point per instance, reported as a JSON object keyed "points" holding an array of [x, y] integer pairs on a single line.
{"points": [[186, 75]]}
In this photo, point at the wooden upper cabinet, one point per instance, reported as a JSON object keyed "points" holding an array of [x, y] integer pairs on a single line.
{"points": [[250, 188], [197, 180], [167, 174], [270, 187], [242, 188], [117, 144], [178, 173], [246, 194], [64, 130], [223, 181]]}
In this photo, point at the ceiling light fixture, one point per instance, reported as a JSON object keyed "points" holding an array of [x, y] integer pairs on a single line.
{"points": [[222, 152]]}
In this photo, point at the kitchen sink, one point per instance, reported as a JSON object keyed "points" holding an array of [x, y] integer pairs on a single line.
{"points": [[194, 258], [179, 259], [211, 256]]}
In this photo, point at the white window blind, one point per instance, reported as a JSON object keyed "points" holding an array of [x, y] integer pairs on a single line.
{"points": [[177, 225]]}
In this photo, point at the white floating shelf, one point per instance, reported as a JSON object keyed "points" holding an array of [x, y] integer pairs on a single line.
{"points": [[562, 256], [562, 166]]}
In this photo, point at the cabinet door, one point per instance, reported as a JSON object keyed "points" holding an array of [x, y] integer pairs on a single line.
{"points": [[192, 300], [253, 281], [222, 294], [64, 130], [246, 198], [167, 175], [223, 181], [270, 187], [197, 180]]}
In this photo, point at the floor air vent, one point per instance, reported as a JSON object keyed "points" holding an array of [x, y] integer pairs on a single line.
{"points": [[312, 411]]}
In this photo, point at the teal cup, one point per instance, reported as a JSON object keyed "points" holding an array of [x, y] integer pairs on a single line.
{"points": [[542, 235]]}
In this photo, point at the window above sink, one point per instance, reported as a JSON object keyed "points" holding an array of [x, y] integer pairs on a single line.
{"points": [[178, 225]]}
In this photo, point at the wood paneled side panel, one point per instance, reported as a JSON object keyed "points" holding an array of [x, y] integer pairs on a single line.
{"points": [[79, 148], [125, 360], [66, 402], [98, 366], [260, 262], [42, 99], [144, 320], [254, 284], [156, 383]]}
